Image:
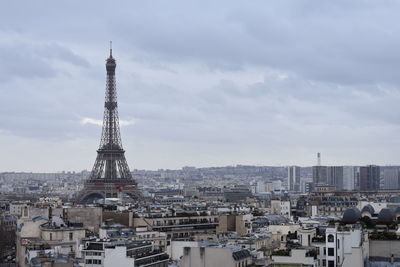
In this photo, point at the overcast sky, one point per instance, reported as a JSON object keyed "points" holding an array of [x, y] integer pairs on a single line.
{"points": [[201, 83]]}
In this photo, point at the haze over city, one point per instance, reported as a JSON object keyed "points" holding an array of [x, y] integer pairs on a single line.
{"points": [[201, 84]]}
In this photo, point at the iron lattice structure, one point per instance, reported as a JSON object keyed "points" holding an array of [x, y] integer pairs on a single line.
{"points": [[110, 173]]}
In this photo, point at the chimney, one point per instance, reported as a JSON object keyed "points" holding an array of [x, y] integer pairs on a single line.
{"points": [[50, 213]]}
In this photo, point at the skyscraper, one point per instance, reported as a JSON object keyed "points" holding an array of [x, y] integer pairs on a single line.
{"points": [[293, 178], [320, 175], [391, 178], [369, 177], [348, 177], [335, 176]]}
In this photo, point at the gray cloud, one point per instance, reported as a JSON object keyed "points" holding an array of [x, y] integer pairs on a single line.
{"points": [[27, 60], [336, 42], [204, 83]]}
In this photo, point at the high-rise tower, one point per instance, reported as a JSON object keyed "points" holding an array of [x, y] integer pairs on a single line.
{"points": [[370, 177], [110, 174], [294, 178]]}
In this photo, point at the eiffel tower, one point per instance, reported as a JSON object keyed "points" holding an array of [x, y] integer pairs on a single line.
{"points": [[110, 175]]}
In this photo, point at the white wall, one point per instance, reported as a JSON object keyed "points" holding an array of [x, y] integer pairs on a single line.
{"points": [[210, 257], [31, 228], [297, 256], [117, 257], [175, 249]]}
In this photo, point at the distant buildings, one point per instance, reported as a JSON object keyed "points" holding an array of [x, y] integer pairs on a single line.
{"points": [[277, 185], [391, 178], [233, 216], [348, 177], [369, 177], [293, 178], [320, 175], [238, 193], [306, 186], [335, 176]]}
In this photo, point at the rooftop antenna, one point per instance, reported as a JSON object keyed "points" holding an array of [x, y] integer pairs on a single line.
{"points": [[318, 159], [110, 48]]}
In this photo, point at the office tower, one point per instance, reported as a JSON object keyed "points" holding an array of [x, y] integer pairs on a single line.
{"points": [[293, 178], [357, 178], [335, 176], [348, 178], [369, 177], [391, 178], [320, 175]]}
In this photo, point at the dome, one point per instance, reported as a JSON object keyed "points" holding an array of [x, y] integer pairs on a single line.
{"points": [[395, 199], [351, 215], [385, 216], [368, 208], [397, 211]]}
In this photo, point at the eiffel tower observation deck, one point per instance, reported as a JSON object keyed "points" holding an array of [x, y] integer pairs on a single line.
{"points": [[110, 176]]}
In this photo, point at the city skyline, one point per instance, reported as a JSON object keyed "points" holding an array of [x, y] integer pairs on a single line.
{"points": [[240, 87], [199, 133]]}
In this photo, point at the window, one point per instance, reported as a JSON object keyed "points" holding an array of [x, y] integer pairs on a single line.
{"points": [[338, 259], [331, 252], [324, 250], [89, 261], [51, 236], [323, 262], [338, 244], [331, 238], [331, 263], [71, 236]]}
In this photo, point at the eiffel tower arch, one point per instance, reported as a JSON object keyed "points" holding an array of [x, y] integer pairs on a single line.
{"points": [[110, 175]]}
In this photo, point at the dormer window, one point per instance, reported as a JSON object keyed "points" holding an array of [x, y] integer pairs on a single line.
{"points": [[331, 238]]}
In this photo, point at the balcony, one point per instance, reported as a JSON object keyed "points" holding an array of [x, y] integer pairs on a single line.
{"points": [[152, 259]]}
